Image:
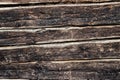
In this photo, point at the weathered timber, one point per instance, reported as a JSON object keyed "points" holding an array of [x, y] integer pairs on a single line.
{"points": [[48, 35], [61, 15], [3, 2], [87, 69], [52, 53], [60, 39], [64, 75], [94, 65], [59, 75]]}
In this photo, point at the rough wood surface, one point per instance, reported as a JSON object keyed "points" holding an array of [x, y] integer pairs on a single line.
{"points": [[53, 53], [87, 69], [52, 40], [51, 35], [61, 15], [51, 1]]}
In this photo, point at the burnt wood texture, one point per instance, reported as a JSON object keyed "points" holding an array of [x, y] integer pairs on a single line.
{"points": [[60, 39]]}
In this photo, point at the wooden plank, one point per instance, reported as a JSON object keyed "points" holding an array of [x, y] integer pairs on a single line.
{"points": [[95, 65], [34, 74], [53, 52], [51, 1], [48, 35], [87, 69], [61, 15], [50, 75], [62, 41]]}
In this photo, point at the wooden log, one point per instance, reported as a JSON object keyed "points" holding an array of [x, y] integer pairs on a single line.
{"points": [[61, 15], [87, 69], [50, 35], [53, 52], [95, 65], [67, 75], [62, 42], [59, 75]]}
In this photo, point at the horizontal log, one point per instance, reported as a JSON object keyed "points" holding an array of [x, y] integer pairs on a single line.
{"points": [[87, 69], [32, 74], [52, 53], [95, 65], [60, 53], [48, 35], [60, 15], [3, 2], [67, 75]]}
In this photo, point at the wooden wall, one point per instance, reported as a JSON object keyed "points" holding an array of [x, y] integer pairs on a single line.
{"points": [[60, 39]]}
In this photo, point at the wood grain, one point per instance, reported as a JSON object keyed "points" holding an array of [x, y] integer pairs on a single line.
{"points": [[89, 69], [48, 35], [70, 52], [51, 1], [61, 15], [63, 75], [60, 39]]}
